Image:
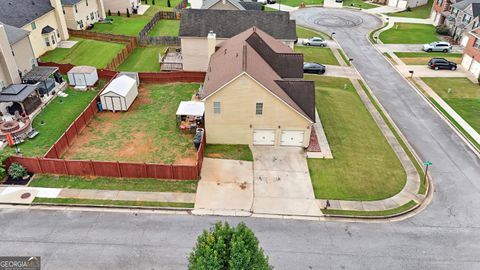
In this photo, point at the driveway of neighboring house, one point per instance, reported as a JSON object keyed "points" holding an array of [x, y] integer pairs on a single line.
{"points": [[425, 71], [341, 71], [225, 188], [411, 48], [282, 183]]}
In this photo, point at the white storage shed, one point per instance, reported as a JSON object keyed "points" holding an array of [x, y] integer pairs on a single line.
{"points": [[119, 94], [82, 76]]}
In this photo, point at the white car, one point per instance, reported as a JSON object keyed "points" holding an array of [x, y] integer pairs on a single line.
{"points": [[438, 46], [316, 41]]}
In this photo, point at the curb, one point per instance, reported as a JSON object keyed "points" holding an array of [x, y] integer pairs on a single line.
{"points": [[188, 210]]}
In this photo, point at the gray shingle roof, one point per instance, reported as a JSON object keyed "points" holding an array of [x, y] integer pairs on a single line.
{"points": [[21, 12], [251, 5], [70, 2], [464, 4], [14, 34], [228, 23], [209, 3], [476, 9], [47, 29], [16, 92]]}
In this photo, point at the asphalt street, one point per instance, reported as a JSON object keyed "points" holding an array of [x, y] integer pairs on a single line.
{"points": [[446, 235]]}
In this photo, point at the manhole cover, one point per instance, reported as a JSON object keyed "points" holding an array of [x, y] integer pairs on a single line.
{"points": [[25, 195]]}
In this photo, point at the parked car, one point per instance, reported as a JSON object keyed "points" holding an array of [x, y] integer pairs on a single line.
{"points": [[314, 68], [441, 63], [438, 46], [264, 2], [316, 41]]}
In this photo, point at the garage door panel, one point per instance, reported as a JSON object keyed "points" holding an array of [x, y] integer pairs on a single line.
{"points": [[264, 137], [292, 138]]}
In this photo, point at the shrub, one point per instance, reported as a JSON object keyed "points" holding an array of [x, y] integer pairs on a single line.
{"points": [[442, 30], [109, 13], [169, 4], [128, 13], [408, 9], [118, 13], [17, 171], [3, 157], [225, 247], [153, 2]]}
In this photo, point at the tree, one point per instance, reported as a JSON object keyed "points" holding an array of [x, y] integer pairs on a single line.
{"points": [[225, 247], [128, 13], [169, 4], [153, 2], [118, 13]]}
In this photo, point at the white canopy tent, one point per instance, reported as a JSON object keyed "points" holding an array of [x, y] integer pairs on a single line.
{"points": [[191, 108]]}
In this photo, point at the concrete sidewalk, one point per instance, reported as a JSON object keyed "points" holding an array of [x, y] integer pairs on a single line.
{"points": [[411, 48]]}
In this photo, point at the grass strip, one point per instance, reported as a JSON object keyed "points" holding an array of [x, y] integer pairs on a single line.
{"points": [[423, 188], [372, 33], [381, 213], [305, 32], [344, 57], [110, 202], [229, 151]]}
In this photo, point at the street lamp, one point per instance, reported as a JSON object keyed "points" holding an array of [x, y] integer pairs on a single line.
{"points": [[427, 164]]}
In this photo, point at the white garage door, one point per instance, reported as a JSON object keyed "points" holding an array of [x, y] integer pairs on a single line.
{"points": [[475, 68], [464, 41], [292, 138], [264, 136]]}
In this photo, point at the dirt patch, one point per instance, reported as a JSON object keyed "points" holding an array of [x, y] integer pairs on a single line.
{"points": [[186, 161], [137, 148], [215, 155], [143, 98]]}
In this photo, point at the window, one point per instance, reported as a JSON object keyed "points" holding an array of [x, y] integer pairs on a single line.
{"points": [[439, 2], [58, 34], [33, 25], [259, 108], [53, 39], [92, 16], [47, 41], [63, 11], [76, 10], [467, 18], [475, 25], [80, 23], [2, 85], [216, 107], [476, 44]]}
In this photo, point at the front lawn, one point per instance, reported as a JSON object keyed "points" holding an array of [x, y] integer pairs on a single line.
{"points": [[54, 120], [461, 94], [307, 33], [409, 33], [318, 55], [229, 151], [359, 4], [364, 166], [109, 183], [86, 52], [421, 12], [165, 28], [143, 59], [148, 132], [123, 25], [422, 58]]}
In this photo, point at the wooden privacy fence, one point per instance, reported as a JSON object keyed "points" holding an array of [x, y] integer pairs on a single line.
{"points": [[143, 37]]}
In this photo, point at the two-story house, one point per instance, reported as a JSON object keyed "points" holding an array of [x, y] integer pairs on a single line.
{"points": [[79, 14], [231, 5], [463, 18], [440, 10], [471, 54], [44, 19]]}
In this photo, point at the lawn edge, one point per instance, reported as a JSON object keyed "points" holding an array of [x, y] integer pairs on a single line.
{"points": [[322, 34], [108, 206], [349, 213]]}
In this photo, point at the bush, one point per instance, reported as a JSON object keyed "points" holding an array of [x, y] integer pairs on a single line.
{"points": [[225, 247], [3, 157], [442, 30], [118, 13], [169, 4], [128, 13], [16, 171], [408, 9], [109, 13], [153, 2]]}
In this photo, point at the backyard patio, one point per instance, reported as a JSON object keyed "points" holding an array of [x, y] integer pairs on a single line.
{"points": [[148, 132]]}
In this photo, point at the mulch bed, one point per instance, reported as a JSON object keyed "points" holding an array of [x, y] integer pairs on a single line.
{"points": [[17, 182]]}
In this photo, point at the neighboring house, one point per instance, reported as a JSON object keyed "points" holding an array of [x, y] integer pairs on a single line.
{"points": [[231, 5], [196, 24], [79, 14], [463, 18], [254, 93], [471, 54], [402, 3], [440, 10], [16, 54], [121, 5], [44, 19]]}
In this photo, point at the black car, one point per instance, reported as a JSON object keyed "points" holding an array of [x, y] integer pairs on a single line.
{"points": [[441, 63], [313, 68]]}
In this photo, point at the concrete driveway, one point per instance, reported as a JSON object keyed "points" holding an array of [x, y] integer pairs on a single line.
{"points": [[425, 71], [225, 188], [282, 182], [411, 48]]}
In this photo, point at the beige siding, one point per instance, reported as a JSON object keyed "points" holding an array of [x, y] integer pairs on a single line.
{"points": [[24, 56], [83, 13], [195, 52], [119, 5], [235, 123], [36, 37], [8, 67], [222, 6]]}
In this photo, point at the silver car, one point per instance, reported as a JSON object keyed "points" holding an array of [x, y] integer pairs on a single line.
{"points": [[438, 46], [316, 41]]}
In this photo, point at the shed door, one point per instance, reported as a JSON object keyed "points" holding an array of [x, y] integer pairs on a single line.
{"points": [[80, 79], [263, 136], [114, 103], [292, 138]]}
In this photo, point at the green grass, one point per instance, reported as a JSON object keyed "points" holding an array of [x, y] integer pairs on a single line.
{"points": [[165, 28], [229, 151], [307, 33], [423, 188], [108, 183], [372, 33], [381, 213], [409, 33], [318, 55], [296, 3], [422, 58], [161, 5], [421, 12], [110, 202], [358, 4], [344, 57], [364, 166], [148, 132], [143, 59], [57, 117], [86, 52], [461, 94], [123, 25]]}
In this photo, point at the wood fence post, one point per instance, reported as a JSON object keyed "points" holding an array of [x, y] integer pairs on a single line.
{"points": [[93, 172], [66, 167], [119, 171], [39, 165]]}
